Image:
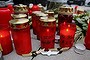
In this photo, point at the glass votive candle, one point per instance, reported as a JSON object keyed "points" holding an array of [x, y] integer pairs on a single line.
{"points": [[67, 32], [38, 24], [20, 30], [65, 15], [5, 40], [47, 34]]}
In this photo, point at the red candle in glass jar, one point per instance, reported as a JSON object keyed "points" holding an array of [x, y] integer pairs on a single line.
{"points": [[47, 34], [21, 35], [67, 32], [65, 15], [35, 20], [38, 28], [5, 40], [5, 15], [87, 37]]}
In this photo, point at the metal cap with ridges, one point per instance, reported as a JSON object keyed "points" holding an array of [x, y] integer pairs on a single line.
{"points": [[66, 10]]}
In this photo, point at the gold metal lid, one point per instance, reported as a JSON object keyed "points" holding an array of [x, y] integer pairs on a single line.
{"points": [[19, 16], [66, 10], [19, 23], [20, 8], [20, 5], [46, 19], [39, 13]]}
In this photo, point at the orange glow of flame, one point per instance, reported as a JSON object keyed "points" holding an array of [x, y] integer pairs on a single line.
{"points": [[1, 36], [67, 30], [68, 25], [47, 30]]}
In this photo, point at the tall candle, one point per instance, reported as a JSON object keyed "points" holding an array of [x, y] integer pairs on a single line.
{"points": [[67, 33], [21, 36], [47, 34], [5, 40]]}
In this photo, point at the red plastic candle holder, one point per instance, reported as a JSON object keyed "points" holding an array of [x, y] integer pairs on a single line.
{"points": [[21, 36], [5, 40], [87, 37], [67, 32], [47, 34], [65, 15]]}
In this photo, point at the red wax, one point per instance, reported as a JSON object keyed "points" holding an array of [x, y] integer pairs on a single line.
{"points": [[67, 33], [22, 40], [5, 16], [87, 37], [5, 40], [47, 35]]}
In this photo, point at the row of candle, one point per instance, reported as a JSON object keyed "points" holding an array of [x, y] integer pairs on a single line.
{"points": [[48, 26], [20, 30]]}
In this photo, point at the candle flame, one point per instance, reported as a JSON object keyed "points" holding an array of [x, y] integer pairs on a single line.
{"points": [[68, 25], [67, 30], [47, 30]]}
